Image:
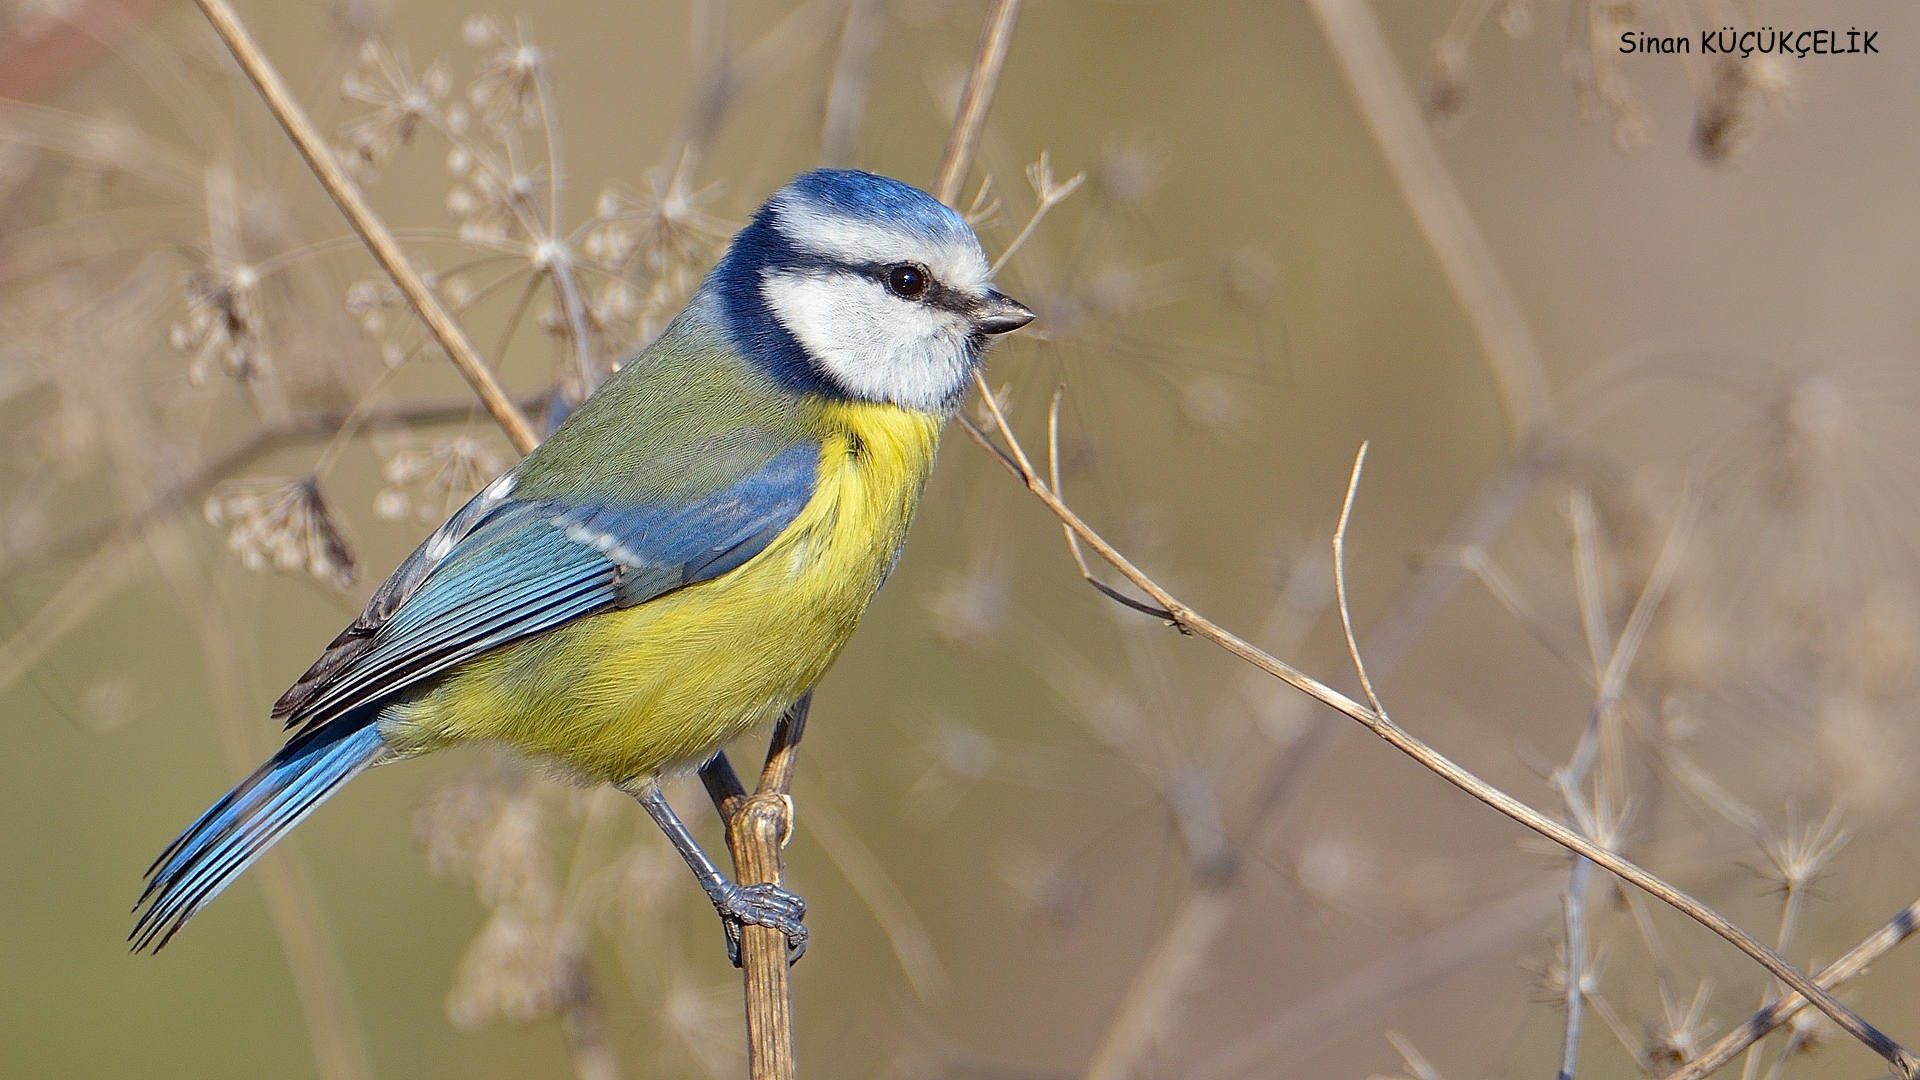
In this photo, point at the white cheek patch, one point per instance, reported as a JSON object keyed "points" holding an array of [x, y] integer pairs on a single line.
{"points": [[955, 262], [875, 345]]}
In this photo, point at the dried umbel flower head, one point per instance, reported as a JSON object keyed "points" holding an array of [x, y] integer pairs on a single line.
{"points": [[520, 968], [1678, 1034], [284, 524], [972, 606], [510, 79], [489, 827], [658, 231], [401, 102], [222, 330], [1798, 855], [1735, 93], [429, 482]]}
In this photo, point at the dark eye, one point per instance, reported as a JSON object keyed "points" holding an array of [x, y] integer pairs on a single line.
{"points": [[907, 280]]}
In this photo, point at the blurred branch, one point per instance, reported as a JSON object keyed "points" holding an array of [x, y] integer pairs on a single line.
{"points": [[1187, 620], [983, 78], [584, 1022], [99, 577], [319, 977], [1855, 962], [1416, 965], [912, 945], [1388, 106], [847, 93], [346, 194], [85, 540]]}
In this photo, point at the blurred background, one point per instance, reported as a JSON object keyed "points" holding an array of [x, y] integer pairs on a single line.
{"points": [[1648, 344]]}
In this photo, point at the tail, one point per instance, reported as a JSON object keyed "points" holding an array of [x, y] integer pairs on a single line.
{"points": [[240, 827]]}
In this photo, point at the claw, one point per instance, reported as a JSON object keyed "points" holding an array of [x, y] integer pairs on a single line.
{"points": [[760, 905]]}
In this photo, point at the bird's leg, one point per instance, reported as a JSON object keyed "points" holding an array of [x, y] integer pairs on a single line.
{"points": [[760, 905]]}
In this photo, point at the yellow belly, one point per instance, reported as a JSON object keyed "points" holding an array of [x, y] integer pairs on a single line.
{"points": [[628, 693]]}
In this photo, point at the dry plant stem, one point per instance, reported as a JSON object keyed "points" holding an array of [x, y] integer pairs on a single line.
{"points": [[1394, 117], [847, 93], [319, 980], [585, 1024], [1192, 622], [1146, 1011], [379, 240], [1857, 959], [758, 826], [92, 537], [1417, 965], [968, 120], [1150, 1007]]}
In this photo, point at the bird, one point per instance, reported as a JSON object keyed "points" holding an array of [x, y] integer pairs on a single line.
{"points": [[680, 562]]}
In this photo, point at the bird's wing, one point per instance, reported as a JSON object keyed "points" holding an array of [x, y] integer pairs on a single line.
{"points": [[504, 568]]}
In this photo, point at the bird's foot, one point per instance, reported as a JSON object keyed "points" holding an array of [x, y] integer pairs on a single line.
{"points": [[760, 905]]}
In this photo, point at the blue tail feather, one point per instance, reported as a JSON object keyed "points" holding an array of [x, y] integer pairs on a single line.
{"points": [[241, 826]]}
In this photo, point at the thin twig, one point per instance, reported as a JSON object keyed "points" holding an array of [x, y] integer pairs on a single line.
{"points": [[85, 540], [346, 195], [1857, 960], [1417, 965], [1576, 959], [1340, 582], [971, 117], [1191, 621], [847, 93]]}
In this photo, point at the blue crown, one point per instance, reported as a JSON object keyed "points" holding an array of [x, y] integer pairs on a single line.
{"points": [[879, 199]]}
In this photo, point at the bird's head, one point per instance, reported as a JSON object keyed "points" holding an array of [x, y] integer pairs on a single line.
{"points": [[857, 286]]}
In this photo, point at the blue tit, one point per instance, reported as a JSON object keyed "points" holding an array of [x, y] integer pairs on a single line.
{"points": [[680, 562]]}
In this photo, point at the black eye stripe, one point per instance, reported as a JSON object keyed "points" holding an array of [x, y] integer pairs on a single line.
{"points": [[936, 295]]}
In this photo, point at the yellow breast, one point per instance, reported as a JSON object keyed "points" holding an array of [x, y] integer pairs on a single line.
{"points": [[628, 693]]}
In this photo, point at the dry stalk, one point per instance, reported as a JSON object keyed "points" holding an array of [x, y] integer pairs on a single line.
{"points": [[1142, 1019], [1189, 621], [1857, 959], [758, 826], [373, 232], [293, 427], [971, 117], [1397, 124], [319, 978]]}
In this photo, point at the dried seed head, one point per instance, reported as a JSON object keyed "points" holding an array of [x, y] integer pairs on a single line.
{"points": [[1516, 18], [517, 969], [1865, 764], [659, 231], [1447, 94], [1883, 653], [108, 704], [1337, 871], [509, 82], [1126, 173], [1677, 1035], [284, 524], [1798, 855], [222, 330], [401, 103], [970, 609], [431, 481]]}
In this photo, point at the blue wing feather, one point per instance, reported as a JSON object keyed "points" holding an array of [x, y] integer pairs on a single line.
{"points": [[501, 569], [531, 566]]}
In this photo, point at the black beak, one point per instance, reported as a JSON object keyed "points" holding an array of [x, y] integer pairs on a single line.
{"points": [[999, 314]]}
